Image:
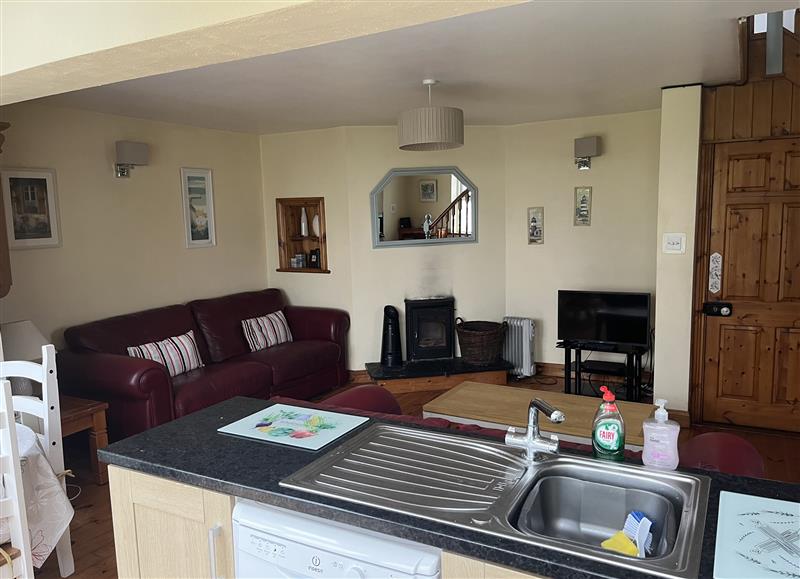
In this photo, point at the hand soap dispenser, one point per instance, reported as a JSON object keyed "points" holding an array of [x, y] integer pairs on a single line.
{"points": [[661, 439]]}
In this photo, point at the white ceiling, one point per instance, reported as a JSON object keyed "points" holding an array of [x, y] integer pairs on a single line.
{"points": [[538, 61]]}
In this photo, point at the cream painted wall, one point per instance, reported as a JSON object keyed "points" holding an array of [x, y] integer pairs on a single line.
{"points": [[514, 168], [123, 246], [617, 252], [344, 165], [677, 200], [310, 164], [472, 272]]}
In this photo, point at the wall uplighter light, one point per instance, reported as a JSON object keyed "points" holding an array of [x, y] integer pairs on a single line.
{"points": [[129, 155], [585, 149]]}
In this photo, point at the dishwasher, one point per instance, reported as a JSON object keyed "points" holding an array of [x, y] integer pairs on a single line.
{"points": [[273, 543]]}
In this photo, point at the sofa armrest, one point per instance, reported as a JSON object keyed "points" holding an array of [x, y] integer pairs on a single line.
{"points": [[329, 324], [139, 392], [111, 374], [309, 323]]}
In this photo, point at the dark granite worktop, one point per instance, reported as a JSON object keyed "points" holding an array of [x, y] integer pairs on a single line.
{"points": [[189, 450]]}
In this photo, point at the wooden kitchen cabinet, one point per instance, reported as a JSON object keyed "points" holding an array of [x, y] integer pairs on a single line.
{"points": [[162, 530], [165, 529], [459, 567]]}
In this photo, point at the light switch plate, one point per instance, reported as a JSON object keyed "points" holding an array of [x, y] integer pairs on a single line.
{"points": [[674, 243]]}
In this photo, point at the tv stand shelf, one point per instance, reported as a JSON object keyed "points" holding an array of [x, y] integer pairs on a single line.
{"points": [[631, 369], [601, 367]]}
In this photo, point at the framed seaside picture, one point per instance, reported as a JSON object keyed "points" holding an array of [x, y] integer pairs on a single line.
{"points": [[31, 207], [583, 206], [197, 191], [427, 191], [535, 225], [295, 426]]}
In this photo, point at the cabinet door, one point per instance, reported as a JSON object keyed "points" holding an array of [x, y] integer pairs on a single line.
{"points": [[166, 529], [459, 567]]}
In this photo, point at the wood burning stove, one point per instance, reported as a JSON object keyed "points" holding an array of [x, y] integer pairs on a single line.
{"points": [[430, 328]]}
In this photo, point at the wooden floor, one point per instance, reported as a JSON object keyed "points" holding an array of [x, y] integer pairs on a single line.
{"points": [[92, 535]]}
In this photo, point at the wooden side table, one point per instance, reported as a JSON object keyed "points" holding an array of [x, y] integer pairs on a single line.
{"points": [[78, 414]]}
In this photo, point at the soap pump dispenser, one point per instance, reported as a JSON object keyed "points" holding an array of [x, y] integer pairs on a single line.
{"points": [[661, 439]]}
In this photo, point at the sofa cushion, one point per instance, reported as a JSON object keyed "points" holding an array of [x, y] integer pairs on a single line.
{"points": [[220, 319], [266, 331], [114, 335], [211, 384], [294, 360], [178, 354]]}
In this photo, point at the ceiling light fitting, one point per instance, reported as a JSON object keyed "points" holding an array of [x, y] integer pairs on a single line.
{"points": [[430, 128]]}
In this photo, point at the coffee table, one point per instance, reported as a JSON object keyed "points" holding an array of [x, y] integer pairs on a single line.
{"points": [[79, 414], [495, 406]]}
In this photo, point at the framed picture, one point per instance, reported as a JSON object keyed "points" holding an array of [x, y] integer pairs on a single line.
{"points": [[535, 225], [29, 199], [583, 205], [427, 191], [198, 207]]}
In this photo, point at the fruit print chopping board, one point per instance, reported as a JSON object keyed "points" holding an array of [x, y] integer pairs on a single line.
{"points": [[296, 426]]}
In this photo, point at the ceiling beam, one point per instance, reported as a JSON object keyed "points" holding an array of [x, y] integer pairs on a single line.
{"points": [[290, 28]]}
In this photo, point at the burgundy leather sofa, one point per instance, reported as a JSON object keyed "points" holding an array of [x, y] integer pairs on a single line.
{"points": [[141, 394]]}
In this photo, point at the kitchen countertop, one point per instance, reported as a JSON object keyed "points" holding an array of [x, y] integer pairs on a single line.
{"points": [[191, 451]]}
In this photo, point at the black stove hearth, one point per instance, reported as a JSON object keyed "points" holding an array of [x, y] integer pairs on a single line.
{"points": [[430, 328]]}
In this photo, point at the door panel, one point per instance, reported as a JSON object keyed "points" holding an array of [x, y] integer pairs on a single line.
{"points": [[792, 179], [787, 365], [749, 172], [790, 253], [751, 374], [739, 361], [745, 242]]}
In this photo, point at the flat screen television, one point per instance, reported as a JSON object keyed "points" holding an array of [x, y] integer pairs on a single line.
{"points": [[604, 317]]}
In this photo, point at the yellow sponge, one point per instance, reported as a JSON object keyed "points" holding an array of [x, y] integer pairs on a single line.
{"points": [[621, 544]]}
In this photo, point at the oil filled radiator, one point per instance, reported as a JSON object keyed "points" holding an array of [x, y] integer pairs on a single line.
{"points": [[518, 347]]}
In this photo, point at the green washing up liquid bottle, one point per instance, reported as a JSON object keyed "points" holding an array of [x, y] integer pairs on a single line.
{"points": [[608, 429]]}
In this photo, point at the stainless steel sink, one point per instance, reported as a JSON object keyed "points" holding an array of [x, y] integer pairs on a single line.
{"points": [[561, 502]]}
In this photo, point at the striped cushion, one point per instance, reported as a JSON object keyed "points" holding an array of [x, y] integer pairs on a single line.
{"points": [[266, 331], [179, 354]]}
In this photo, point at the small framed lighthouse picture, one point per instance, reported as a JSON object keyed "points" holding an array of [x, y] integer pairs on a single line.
{"points": [[583, 206], [535, 225]]}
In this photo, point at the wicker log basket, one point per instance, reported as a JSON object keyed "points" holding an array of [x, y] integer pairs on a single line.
{"points": [[481, 342]]}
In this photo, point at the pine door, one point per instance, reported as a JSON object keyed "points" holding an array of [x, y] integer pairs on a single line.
{"points": [[752, 357]]}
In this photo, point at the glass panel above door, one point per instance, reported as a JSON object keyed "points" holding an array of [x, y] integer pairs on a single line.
{"points": [[429, 205]]}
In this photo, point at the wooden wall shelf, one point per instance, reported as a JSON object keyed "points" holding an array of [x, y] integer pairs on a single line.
{"points": [[291, 240]]}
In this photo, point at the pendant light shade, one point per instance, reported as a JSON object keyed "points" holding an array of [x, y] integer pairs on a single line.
{"points": [[430, 128]]}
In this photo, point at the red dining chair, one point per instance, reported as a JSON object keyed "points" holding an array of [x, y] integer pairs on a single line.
{"points": [[722, 452]]}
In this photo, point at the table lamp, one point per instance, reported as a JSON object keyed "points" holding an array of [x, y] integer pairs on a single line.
{"points": [[21, 341]]}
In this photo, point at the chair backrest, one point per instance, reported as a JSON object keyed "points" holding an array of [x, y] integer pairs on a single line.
{"points": [[46, 410], [12, 503], [724, 452]]}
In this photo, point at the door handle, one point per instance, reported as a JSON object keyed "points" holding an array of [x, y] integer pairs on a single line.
{"points": [[722, 309], [213, 533]]}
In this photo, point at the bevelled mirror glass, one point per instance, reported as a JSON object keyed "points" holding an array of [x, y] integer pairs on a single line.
{"points": [[429, 205]]}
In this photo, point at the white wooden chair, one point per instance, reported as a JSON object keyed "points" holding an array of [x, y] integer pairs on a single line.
{"points": [[46, 421], [12, 505]]}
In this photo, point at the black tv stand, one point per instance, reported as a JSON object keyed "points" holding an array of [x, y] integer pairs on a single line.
{"points": [[631, 369]]}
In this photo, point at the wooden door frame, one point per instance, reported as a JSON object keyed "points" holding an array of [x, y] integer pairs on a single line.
{"points": [[702, 238]]}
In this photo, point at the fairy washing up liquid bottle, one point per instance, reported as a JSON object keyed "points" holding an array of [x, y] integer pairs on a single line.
{"points": [[608, 429]]}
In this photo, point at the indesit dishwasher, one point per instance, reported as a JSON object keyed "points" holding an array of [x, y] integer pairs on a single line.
{"points": [[271, 542]]}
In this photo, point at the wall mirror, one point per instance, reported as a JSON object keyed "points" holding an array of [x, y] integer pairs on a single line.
{"points": [[429, 205]]}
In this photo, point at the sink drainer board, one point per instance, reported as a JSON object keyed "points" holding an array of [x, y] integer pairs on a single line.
{"points": [[488, 487]]}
